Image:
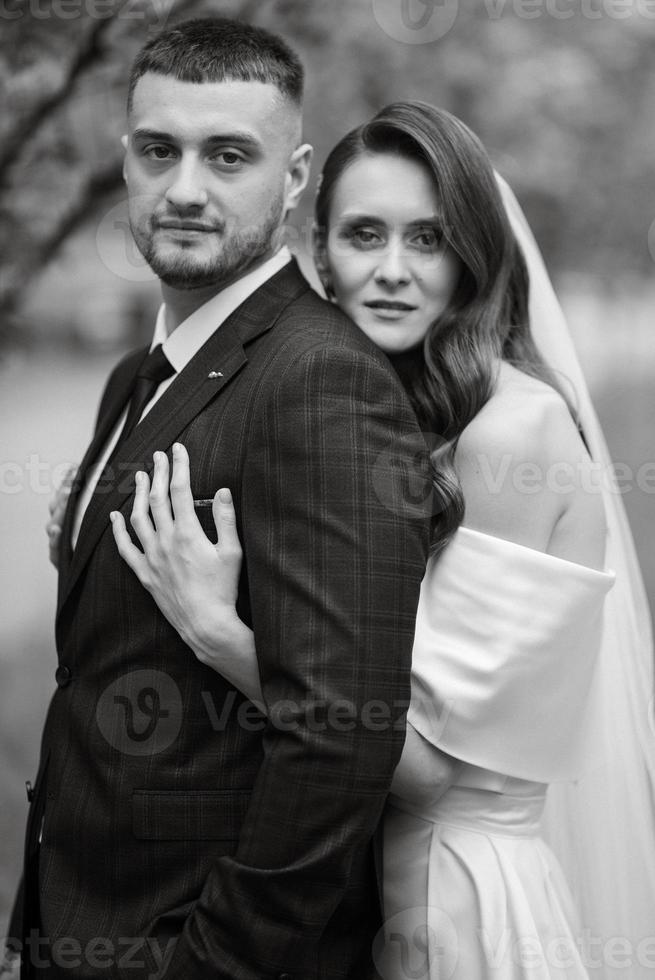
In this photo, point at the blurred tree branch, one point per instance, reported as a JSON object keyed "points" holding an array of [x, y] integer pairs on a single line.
{"points": [[27, 124], [98, 188]]}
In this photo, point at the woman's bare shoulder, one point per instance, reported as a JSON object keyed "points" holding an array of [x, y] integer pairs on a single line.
{"points": [[524, 419], [523, 466]]}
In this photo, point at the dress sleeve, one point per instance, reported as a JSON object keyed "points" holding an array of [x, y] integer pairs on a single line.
{"points": [[504, 660]]}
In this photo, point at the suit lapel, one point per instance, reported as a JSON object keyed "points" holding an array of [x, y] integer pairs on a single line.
{"points": [[204, 377], [113, 403]]}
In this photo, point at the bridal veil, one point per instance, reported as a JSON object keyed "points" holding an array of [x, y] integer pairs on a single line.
{"points": [[602, 827]]}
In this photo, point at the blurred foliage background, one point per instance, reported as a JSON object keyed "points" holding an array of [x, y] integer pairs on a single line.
{"points": [[563, 95]]}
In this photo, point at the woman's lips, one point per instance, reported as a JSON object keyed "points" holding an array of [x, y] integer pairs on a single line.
{"points": [[390, 304], [391, 310]]}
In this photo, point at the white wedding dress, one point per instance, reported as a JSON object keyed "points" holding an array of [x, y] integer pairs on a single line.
{"points": [[503, 672]]}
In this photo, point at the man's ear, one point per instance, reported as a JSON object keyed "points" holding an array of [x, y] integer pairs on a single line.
{"points": [[297, 175]]}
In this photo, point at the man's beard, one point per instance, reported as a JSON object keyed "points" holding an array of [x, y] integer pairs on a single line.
{"points": [[238, 252]]}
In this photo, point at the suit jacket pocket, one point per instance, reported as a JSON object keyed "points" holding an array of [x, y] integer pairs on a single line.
{"points": [[188, 814]]}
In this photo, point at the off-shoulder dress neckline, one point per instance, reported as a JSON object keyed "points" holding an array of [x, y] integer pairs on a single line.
{"points": [[464, 531]]}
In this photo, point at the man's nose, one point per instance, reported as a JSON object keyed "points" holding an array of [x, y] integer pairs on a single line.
{"points": [[187, 189], [393, 268]]}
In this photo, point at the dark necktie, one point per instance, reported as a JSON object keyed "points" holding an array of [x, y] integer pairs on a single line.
{"points": [[154, 369]]}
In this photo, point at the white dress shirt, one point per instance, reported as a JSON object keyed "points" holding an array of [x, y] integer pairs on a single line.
{"points": [[179, 347]]}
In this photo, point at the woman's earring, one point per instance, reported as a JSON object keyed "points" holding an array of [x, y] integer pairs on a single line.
{"points": [[328, 288]]}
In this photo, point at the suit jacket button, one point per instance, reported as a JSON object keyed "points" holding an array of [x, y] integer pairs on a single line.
{"points": [[63, 675], [29, 789]]}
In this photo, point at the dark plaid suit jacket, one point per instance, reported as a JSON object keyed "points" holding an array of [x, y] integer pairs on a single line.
{"points": [[182, 833]]}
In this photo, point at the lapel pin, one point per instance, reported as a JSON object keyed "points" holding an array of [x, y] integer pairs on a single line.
{"points": [[215, 374]]}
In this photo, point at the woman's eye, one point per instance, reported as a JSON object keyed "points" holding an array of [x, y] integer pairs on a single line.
{"points": [[427, 239], [364, 237]]}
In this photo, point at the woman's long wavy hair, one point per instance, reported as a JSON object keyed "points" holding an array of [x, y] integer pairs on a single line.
{"points": [[487, 317]]}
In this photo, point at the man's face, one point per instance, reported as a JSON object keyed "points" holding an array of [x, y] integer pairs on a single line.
{"points": [[211, 169]]}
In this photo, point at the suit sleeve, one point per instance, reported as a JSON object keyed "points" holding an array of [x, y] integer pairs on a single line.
{"points": [[335, 531]]}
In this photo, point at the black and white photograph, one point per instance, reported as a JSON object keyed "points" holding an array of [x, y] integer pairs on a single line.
{"points": [[327, 490]]}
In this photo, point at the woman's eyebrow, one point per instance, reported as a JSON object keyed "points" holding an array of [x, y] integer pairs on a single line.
{"points": [[429, 219], [361, 216]]}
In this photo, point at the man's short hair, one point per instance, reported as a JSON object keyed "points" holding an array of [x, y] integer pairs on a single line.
{"points": [[217, 49]]}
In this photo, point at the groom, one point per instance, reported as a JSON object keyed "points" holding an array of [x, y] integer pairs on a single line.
{"points": [[174, 831]]}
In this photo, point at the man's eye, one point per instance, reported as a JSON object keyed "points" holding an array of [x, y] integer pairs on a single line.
{"points": [[158, 152], [228, 158]]}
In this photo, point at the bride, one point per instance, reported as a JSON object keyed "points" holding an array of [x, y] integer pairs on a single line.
{"points": [[516, 674]]}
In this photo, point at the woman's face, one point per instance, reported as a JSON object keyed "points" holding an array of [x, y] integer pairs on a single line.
{"points": [[389, 267]]}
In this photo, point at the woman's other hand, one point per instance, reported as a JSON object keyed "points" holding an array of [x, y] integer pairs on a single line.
{"points": [[10, 965], [424, 772]]}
